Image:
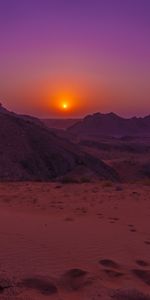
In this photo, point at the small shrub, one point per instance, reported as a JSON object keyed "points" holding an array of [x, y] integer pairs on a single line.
{"points": [[69, 179], [107, 184], [85, 180]]}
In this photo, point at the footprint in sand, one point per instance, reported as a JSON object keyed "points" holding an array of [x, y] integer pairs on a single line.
{"points": [[9, 288], [133, 230], [68, 219], [5, 284], [142, 263], [112, 273], [144, 275], [74, 279], [113, 220], [147, 242], [109, 263], [42, 285]]}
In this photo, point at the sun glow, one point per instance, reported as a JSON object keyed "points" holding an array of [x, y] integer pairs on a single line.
{"points": [[65, 103], [65, 106]]}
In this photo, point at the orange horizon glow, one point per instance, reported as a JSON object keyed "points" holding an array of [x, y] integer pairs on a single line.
{"points": [[66, 98], [64, 102]]}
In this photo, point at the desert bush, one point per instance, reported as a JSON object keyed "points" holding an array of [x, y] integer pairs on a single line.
{"points": [[146, 181], [69, 179], [72, 179], [85, 180], [107, 184]]}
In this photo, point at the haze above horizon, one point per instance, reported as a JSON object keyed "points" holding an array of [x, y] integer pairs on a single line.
{"points": [[67, 59]]}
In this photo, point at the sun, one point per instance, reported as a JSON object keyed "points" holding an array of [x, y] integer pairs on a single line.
{"points": [[65, 105]]}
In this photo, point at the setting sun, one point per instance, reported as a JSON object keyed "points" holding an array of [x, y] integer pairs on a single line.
{"points": [[65, 105]]}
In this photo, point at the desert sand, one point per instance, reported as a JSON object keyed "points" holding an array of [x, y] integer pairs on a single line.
{"points": [[74, 241]]}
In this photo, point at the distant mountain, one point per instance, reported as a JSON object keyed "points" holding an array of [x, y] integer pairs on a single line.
{"points": [[59, 123], [30, 151], [111, 125]]}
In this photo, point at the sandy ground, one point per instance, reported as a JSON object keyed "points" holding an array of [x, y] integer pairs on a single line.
{"points": [[74, 241]]}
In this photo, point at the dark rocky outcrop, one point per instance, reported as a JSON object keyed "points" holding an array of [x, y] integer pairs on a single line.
{"points": [[29, 151], [111, 125]]}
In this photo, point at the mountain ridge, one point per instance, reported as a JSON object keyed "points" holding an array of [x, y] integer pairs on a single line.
{"points": [[111, 124]]}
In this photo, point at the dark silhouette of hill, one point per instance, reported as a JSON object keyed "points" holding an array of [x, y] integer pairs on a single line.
{"points": [[111, 125], [30, 151], [59, 123]]}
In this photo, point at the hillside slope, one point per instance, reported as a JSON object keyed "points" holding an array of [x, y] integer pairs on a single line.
{"points": [[29, 151], [111, 125]]}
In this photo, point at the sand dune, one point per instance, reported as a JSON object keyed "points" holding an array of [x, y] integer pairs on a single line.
{"points": [[87, 246]]}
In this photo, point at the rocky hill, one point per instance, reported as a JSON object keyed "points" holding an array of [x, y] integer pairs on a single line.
{"points": [[29, 151], [111, 125]]}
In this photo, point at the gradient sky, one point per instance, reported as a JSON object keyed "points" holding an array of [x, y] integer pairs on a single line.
{"points": [[93, 54]]}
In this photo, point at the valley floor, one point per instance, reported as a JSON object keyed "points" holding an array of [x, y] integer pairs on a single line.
{"points": [[74, 241]]}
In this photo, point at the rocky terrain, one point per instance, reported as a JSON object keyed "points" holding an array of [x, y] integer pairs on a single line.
{"points": [[29, 151], [111, 124], [59, 123], [74, 213]]}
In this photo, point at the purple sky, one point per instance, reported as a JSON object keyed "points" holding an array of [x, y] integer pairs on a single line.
{"points": [[93, 53]]}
